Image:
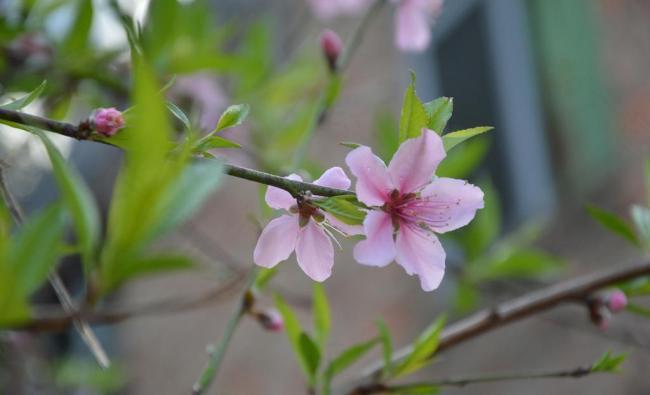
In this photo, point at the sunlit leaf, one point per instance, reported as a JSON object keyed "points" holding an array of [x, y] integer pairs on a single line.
{"points": [[79, 201], [233, 116], [608, 363], [322, 319], [25, 100], [452, 139], [413, 117], [438, 113]]}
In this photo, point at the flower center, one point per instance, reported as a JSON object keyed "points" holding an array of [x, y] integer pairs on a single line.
{"points": [[411, 209]]}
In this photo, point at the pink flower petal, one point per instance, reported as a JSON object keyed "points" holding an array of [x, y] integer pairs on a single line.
{"points": [[378, 249], [350, 230], [420, 253], [334, 177], [412, 27], [373, 182], [280, 199], [416, 160], [455, 203], [277, 241], [314, 252]]}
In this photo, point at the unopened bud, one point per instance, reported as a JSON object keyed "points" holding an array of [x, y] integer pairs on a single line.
{"points": [[616, 301], [107, 121], [331, 45], [271, 320]]}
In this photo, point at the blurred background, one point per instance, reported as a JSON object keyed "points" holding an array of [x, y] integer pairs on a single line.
{"points": [[564, 83]]}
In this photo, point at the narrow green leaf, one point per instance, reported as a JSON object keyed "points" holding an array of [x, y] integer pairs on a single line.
{"points": [[233, 116], [641, 218], [636, 287], [321, 316], [609, 362], [24, 101], [386, 347], [423, 348], [78, 36], [78, 200], [179, 114], [438, 113], [345, 360], [345, 208], [210, 142], [413, 117], [294, 334], [452, 139], [144, 267], [350, 144], [35, 250], [517, 263], [613, 223], [310, 355]]}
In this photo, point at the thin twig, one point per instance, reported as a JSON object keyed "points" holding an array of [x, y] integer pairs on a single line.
{"points": [[462, 382], [516, 309], [82, 327], [79, 132]]}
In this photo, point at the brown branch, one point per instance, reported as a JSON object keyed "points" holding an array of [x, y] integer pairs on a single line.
{"points": [[519, 308]]}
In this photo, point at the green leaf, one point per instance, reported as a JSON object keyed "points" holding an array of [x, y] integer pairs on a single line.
{"points": [[464, 159], [187, 193], [636, 287], [614, 223], [345, 208], [641, 218], [385, 125], [638, 310], [423, 348], [294, 334], [78, 36], [179, 114], [322, 321], [210, 142], [79, 201], [233, 116], [146, 266], [414, 117], [310, 356], [438, 113], [25, 100], [609, 362], [345, 360], [35, 251], [264, 276], [415, 389], [386, 347], [350, 144], [452, 139]]}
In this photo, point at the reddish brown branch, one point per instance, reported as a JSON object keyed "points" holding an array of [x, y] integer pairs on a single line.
{"points": [[522, 307]]}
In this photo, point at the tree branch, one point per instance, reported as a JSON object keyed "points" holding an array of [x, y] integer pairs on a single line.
{"points": [[81, 132], [530, 304]]}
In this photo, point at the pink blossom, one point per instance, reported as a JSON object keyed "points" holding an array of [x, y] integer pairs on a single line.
{"points": [[107, 121], [413, 21], [410, 207], [331, 45], [616, 301], [304, 228], [328, 9]]}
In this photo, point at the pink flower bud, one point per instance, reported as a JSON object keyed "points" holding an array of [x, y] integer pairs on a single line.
{"points": [[331, 45], [271, 320], [616, 301], [107, 121]]}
